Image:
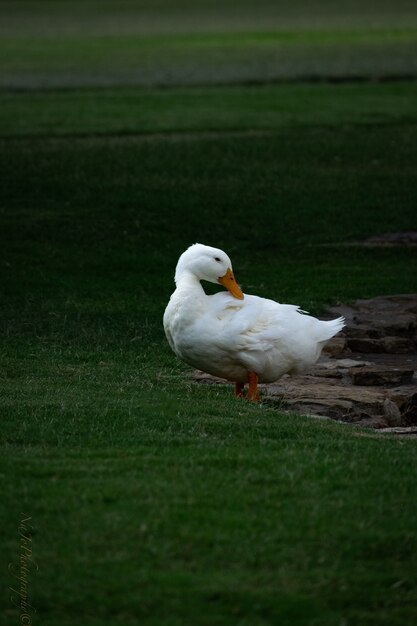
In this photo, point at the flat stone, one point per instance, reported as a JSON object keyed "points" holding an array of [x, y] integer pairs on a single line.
{"points": [[378, 318], [401, 430], [349, 363], [365, 345], [398, 345], [378, 376], [391, 345], [335, 346], [373, 422]]}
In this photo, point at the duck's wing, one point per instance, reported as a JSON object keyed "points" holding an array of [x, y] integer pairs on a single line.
{"points": [[259, 323], [252, 323]]}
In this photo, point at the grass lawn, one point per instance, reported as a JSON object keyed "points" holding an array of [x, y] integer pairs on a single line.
{"points": [[154, 500], [73, 44]]}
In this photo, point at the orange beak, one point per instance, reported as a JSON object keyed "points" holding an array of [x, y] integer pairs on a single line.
{"points": [[229, 281]]}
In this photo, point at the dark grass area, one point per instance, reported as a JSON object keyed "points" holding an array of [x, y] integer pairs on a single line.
{"points": [[265, 108], [155, 500], [221, 518]]}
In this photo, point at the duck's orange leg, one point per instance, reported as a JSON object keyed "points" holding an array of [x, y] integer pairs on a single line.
{"points": [[239, 390], [253, 393]]}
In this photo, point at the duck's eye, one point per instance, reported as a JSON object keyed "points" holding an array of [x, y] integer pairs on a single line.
{"points": [[216, 258]]}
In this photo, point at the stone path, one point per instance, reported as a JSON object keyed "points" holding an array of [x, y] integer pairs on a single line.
{"points": [[366, 375]]}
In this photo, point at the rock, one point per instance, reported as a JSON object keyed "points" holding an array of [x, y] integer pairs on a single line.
{"points": [[410, 408], [337, 398], [349, 363], [327, 373], [373, 422], [378, 376], [365, 345], [336, 346], [392, 413], [314, 395], [397, 345], [391, 345], [403, 430], [379, 318]]}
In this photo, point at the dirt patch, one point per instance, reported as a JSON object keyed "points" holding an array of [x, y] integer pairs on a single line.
{"points": [[393, 239]]}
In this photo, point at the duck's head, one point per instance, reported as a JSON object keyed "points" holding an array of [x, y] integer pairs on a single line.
{"points": [[211, 264]]}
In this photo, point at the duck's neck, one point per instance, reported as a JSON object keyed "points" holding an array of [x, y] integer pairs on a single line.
{"points": [[188, 283]]}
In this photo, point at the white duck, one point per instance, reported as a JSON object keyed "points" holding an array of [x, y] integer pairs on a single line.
{"points": [[239, 337]]}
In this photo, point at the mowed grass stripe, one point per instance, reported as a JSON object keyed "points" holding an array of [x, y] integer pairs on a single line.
{"points": [[205, 58], [222, 109]]}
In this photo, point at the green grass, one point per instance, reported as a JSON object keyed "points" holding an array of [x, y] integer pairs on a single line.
{"points": [[73, 44], [266, 108], [155, 500], [170, 60], [43, 17], [221, 515]]}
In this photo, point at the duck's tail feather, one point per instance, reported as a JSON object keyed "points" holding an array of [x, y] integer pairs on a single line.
{"points": [[331, 328]]}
